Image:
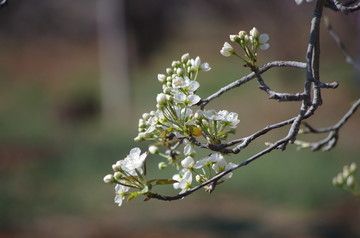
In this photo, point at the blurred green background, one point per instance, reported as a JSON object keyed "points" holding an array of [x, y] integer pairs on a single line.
{"points": [[60, 130]]}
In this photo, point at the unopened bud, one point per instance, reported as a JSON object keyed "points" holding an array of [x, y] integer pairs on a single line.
{"points": [[185, 57], [153, 149], [162, 165], [350, 182], [352, 168], [109, 179]]}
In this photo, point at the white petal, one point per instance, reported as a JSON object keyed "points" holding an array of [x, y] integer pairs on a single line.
{"points": [[264, 46], [263, 38]]}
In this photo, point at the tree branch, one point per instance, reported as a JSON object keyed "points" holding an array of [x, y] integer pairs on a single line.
{"points": [[340, 44], [346, 7], [249, 77]]}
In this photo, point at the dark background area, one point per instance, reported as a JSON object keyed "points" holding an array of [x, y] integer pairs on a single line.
{"points": [[55, 146]]}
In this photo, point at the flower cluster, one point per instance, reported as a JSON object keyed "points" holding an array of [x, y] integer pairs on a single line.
{"points": [[175, 124], [174, 118], [128, 173], [204, 169], [249, 43], [346, 179]]}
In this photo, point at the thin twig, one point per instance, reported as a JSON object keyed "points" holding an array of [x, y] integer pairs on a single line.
{"points": [[346, 7], [340, 44], [330, 141]]}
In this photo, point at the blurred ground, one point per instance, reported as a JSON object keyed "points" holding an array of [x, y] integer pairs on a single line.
{"points": [[55, 148]]}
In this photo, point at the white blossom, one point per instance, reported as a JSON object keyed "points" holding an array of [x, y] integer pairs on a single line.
{"points": [[188, 162], [186, 99], [120, 192], [227, 50], [213, 158], [134, 161], [198, 65], [184, 179]]}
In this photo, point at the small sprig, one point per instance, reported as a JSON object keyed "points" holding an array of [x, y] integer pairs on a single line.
{"points": [[249, 43], [346, 179]]}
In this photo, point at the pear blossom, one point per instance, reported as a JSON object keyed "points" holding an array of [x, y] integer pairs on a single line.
{"points": [[134, 161], [189, 150], [120, 192], [188, 162], [223, 115], [213, 158], [198, 65], [184, 179], [182, 82], [186, 99], [227, 50], [221, 165]]}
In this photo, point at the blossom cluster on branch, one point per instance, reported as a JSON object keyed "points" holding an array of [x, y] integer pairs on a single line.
{"points": [[179, 123]]}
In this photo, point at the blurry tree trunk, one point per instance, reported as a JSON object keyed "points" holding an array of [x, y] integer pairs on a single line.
{"points": [[114, 82]]}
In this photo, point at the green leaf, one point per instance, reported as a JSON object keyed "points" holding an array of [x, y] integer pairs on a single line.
{"points": [[222, 133], [133, 195], [165, 181]]}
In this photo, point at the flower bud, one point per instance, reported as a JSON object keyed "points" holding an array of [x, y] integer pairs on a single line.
{"points": [[169, 70], [234, 38], [162, 165], [185, 57], [153, 149], [161, 78], [118, 175], [352, 168], [161, 98], [227, 50], [175, 64], [350, 182], [179, 71], [200, 178], [146, 116], [109, 179], [254, 32], [346, 171], [142, 123], [242, 34], [197, 61], [340, 179]]}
